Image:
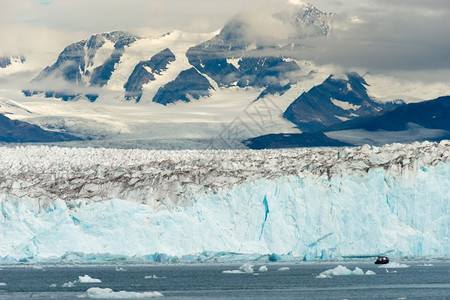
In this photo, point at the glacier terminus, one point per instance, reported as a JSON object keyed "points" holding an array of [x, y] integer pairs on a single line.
{"points": [[87, 204]]}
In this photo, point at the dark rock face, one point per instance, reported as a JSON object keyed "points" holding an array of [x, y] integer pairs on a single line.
{"points": [[433, 114], [70, 64], [102, 74], [12, 131], [6, 61], [189, 84], [60, 95], [332, 102], [275, 141], [145, 71], [274, 89], [211, 58], [264, 71]]}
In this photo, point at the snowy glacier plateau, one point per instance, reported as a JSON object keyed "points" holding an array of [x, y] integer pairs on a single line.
{"points": [[94, 205]]}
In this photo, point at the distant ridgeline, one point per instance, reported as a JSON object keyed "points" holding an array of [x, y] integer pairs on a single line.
{"points": [[428, 120], [230, 58], [141, 69], [13, 131]]}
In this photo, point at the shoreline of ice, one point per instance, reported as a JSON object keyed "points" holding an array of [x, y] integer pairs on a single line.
{"points": [[312, 204]]}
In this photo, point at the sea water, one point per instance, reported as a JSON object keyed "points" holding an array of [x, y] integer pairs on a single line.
{"points": [[411, 280]]}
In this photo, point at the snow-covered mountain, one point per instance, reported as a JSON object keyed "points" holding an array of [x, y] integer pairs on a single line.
{"points": [[200, 87], [231, 58], [12, 64], [427, 120], [80, 205], [334, 101], [7, 61]]}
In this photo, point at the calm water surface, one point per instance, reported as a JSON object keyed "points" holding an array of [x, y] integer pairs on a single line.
{"points": [[208, 282]]}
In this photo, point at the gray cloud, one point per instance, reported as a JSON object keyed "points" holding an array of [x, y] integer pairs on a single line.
{"points": [[402, 35]]}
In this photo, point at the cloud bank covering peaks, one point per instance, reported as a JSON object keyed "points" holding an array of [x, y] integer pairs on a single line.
{"points": [[407, 37]]}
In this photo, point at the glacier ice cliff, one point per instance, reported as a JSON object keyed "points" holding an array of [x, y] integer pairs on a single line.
{"points": [[324, 203]]}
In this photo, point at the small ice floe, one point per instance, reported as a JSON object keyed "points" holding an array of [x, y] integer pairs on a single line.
{"points": [[427, 265], [233, 272], [369, 272], [244, 269], [120, 269], [69, 284], [2, 284], [88, 279], [283, 269], [99, 293], [52, 286], [263, 269], [37, 268], [322, 276], [394, 265], [153, 277]]}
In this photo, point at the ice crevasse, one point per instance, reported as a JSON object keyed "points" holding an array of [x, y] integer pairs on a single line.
{"points": [[310, 203]]}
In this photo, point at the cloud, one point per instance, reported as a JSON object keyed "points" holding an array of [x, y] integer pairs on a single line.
{"points": [[376, 35], [388, 41]]}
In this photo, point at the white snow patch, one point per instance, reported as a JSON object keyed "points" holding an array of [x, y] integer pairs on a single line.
{"points": [[234, 62], [106, 293], [342, 118], [102, 55], [345, 105]]}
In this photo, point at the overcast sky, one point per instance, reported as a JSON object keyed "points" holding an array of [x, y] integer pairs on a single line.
{"points": [[393, 34]]}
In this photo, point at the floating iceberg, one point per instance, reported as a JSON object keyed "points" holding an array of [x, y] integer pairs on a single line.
{"points": [[88, 279], [107, 293], [343, 271], [79, 205], [244, 269], [263, 269], [69, 284]]}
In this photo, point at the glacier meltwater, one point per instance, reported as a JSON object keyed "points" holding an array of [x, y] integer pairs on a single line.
{"points": [[66, 204]]}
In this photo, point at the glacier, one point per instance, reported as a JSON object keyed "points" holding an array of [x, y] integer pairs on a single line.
{"points": [[92, 205]]}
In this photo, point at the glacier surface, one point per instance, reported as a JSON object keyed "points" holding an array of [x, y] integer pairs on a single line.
{"points": [[67, 204]]}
